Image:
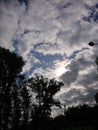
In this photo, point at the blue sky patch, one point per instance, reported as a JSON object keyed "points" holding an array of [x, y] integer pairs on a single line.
{"points": [[26, 2], [93, 15], [72, 56], [49, 58]]}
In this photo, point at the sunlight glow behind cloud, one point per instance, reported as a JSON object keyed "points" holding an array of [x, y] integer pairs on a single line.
{"points": [[61, 67], [47, 34]]}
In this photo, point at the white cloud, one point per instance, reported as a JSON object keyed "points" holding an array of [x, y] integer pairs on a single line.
{"points": [[56, 23], [9, 13], [81, 81], [60, 26]]}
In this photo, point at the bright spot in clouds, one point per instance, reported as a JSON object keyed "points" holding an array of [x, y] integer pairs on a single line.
{"points": [[61, 70], [51, 36]]}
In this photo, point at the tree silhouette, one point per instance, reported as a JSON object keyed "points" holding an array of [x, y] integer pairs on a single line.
{"points": [[96, 97], [10, 68], [16, 110], [44, 90], [26, 99]]}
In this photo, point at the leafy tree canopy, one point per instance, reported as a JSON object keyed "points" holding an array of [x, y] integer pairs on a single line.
{"points": [[45, 89]]}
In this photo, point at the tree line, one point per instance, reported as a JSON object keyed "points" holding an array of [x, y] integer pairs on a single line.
{"points": [[27, 103]]}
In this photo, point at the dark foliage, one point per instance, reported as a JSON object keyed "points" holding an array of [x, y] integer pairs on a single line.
{"points": [[96, 97], [17, 111], [10, 68], [45, 90]]}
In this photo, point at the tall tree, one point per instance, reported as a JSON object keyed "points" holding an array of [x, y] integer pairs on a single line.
{"points": [[10, 68], [26, 100], [45, 89]]}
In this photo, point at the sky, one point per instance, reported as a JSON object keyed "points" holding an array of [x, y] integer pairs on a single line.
{"points": [[52, 36]]}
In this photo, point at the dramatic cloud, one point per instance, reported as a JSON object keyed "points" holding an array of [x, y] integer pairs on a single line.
{"points": [[80, 80], [52, 37]]}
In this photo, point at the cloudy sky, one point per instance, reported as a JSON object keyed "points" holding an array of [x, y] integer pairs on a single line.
{"points": [[52, 36]]}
